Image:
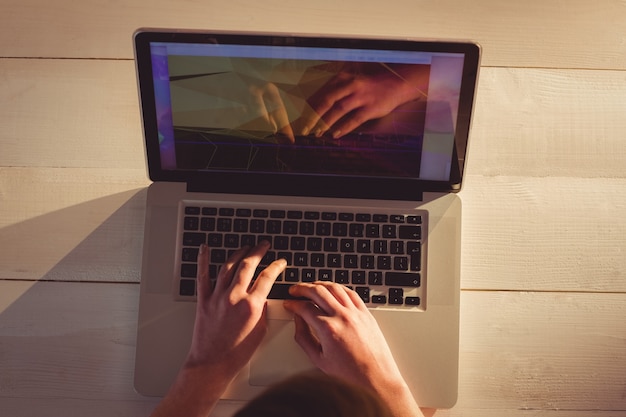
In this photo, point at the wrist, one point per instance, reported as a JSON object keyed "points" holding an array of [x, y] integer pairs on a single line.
{"points": [[396, 394], [206, 374], [194, 393]]}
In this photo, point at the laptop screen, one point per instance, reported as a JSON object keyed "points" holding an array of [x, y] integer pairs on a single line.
{"points": [[256, 113]]}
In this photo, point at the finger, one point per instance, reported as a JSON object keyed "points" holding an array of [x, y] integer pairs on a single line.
{"points": [[320, 295], [203, 281], [348, 124], [340, 110], [267, 277], [356, 300], [319, 104], [322, 104], [284, 132], [258, 107], [306, 314], [308, 119], [248, 265], [340, 292], [278, 116], [305, 338], [227, 271]]}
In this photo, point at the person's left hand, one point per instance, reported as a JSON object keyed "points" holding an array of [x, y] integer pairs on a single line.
{"points": [[230, 323], [230, 318]]}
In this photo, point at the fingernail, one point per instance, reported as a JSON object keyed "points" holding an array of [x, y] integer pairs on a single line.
{"points": [[203, 248]]}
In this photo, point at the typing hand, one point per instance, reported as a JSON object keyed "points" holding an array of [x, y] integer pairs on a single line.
{"points": [[230, 318], [342, 338], [230, 324]]}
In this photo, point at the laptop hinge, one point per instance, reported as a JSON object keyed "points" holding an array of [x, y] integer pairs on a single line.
{"points": [[304, 190]]}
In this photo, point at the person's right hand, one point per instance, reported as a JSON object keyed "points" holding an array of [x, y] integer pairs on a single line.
{"points": [[358, 93], [342, 338]]}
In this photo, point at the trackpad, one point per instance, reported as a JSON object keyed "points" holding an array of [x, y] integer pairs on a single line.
{"points": [[279, 356]]}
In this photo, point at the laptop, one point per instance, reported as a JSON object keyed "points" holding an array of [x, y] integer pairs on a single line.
{"points": [[345, 153]]}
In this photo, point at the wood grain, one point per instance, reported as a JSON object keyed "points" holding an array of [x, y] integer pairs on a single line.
{"points": [[543, 266], [71, 224], [544, 234], [70, 113], [519, 233], [559, 123], [572, 360], [562, 123], [533, 33]]}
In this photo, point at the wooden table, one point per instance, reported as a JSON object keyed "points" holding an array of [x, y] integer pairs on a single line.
{"points": [[543, 329]]}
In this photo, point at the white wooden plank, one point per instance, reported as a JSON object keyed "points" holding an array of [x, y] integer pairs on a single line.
{"points": [[549, 123], [543, 351], [93, 408], [63, 224], [533, 33], [546, 234], [68, 113], [551, 234], [522, 354], [543, 204]]}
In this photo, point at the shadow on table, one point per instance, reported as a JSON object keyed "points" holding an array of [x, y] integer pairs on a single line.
{"points": [[96, 241]]}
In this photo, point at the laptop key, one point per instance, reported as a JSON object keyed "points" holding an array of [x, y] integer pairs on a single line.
{"points": [[218, 256], [412, 301], [292, 275], [396, 296], [189, 255], [358, 250], [187, 287], [192, 211], [207, 224], [329, 216], [281, 292], [262, 213], [410, 232], [215, 240], [308, 275], [375, 278], [188, 270], [364, 293], [191, 223], [193, 239], [379, 299], [402, 279]]}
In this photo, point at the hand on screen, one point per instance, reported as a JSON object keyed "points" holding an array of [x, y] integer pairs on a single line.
{"points": [[358, 93], [267, 105]]}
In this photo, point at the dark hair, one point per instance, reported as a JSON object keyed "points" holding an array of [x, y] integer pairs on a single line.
{"points": [[314, 394]]}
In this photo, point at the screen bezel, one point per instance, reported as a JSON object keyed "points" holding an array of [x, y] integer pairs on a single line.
{"points": [[303, 184]]}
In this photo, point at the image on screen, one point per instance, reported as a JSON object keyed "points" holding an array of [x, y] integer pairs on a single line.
{"points": [[306, 110]]}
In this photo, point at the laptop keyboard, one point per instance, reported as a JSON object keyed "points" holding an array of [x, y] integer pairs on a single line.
{"points": [[378, 254]]}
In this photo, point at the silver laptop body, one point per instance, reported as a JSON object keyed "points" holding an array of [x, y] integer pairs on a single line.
{"points": [[210, 151]]}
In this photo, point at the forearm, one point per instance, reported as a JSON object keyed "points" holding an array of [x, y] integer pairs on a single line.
{"points": [[397, 396], [194, 393]]}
